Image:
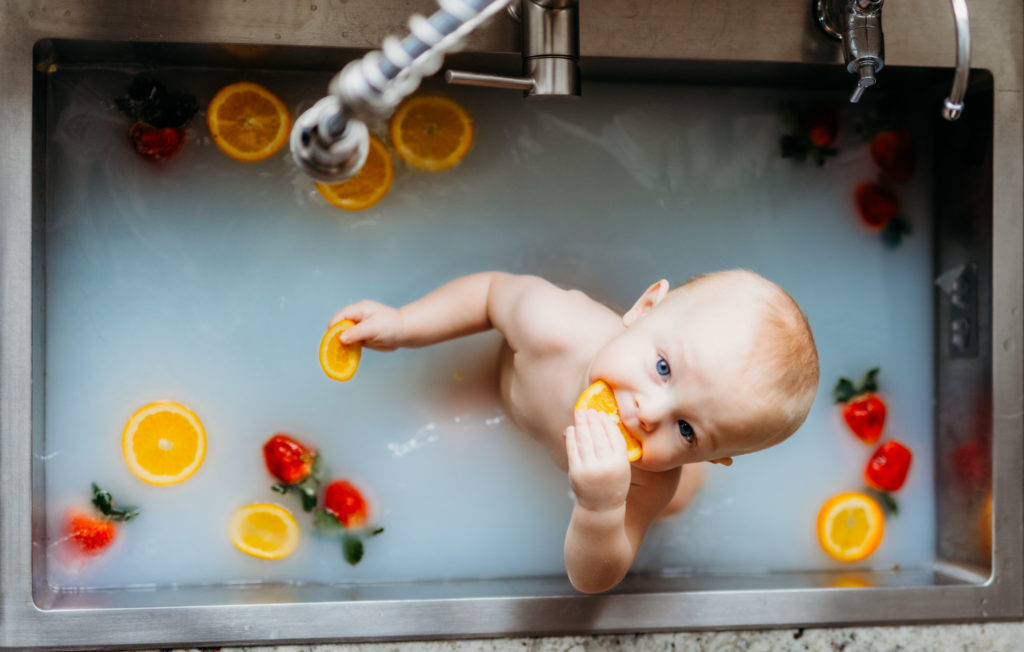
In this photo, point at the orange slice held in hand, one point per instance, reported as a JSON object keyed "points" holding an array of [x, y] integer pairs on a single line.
{"points": [[599, 397], [248, 122], [431, 132], [163, 443], [850, 526], [368, 186], [264, 530], [339, 361]]}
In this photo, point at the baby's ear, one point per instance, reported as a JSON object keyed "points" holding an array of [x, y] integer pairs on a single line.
{"points": [[650, 298], [724, 461]]}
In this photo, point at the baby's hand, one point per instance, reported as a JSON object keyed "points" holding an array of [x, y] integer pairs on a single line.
{"points": [[377, 326], [599, 469]]}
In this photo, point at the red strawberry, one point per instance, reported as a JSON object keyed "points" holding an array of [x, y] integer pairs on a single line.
{"points": [[346, 503], [887, 469], [92, 535], [893, 152], [877, 205], [156, 144], [288, 460], [863, 410], [971, 462], [821, 125]]}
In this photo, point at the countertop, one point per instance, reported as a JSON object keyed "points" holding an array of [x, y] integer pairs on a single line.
{"points": [[969, 637]]}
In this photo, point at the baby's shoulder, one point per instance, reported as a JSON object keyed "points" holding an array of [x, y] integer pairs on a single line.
{"points": [[535, 313]]}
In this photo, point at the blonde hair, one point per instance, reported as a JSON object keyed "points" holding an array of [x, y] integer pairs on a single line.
{"points": [[782, 368]]}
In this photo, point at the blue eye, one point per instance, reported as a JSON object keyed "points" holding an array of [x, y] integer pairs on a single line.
{"points": [[686, 430], [662, 367]]}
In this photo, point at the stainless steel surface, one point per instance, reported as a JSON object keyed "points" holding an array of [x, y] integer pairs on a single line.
{"points": [[550, 37], [858, 26], [464, 78], [953, 105], [682, 41]]}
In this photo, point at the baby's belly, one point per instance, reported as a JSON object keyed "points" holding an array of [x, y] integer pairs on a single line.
{"points": [[527, 404]]}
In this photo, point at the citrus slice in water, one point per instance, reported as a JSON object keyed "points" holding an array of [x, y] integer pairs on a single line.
{"points": [[368, 186], [599, 397], [248, 122], [163, 443], [339, 361], [850, 526], [264, 530], [431, 132]]}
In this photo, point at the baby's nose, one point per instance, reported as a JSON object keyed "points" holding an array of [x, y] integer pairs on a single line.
{"points": [[650, 412]]}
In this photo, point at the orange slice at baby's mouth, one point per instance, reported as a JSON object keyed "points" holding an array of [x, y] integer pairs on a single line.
{"points": [[339, 361], [599, 397]]}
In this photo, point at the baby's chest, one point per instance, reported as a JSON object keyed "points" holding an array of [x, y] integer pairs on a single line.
{"points": [[538, 397]]}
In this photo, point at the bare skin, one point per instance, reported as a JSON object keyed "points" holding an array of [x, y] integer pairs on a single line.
{"points": [[674, 362]]}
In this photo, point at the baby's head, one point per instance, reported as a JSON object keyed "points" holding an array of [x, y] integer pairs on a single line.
{"points": [[722, 365]]}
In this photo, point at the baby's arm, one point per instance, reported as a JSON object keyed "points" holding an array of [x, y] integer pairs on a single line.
{"points": [[614, 506], [466, 305]]}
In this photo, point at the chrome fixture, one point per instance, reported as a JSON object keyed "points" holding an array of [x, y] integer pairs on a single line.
{"points": [[330, 141], [858, 25], [551, 52]]}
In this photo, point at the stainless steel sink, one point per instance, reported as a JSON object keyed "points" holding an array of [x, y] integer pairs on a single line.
{"points": [[978, 172]]}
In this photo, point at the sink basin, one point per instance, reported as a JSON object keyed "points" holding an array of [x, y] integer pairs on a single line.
{"points": [[678, 128]]}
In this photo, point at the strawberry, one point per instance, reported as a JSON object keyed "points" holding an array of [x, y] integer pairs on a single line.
{"points": [[156, 144], [811, 134], [880, 209], [343, 501], [821, 126], [863, 410], [91, 534], [876, 204], [297, 467], [893, 151], [888, 466], [160, 117], [288, 460]]}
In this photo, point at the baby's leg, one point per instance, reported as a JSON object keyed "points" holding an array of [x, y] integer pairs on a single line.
{"points": [[690, 482]]}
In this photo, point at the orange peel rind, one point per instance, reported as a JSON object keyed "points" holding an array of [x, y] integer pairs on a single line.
{"points": [[339, 361], [599, 397]]}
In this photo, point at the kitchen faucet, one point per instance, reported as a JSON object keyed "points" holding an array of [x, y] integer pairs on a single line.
{"points": [[858, 25]]}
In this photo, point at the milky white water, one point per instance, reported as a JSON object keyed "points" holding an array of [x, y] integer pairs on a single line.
{"points": [[209, 281]]}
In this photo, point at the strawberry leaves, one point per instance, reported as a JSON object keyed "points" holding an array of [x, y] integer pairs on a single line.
{"points": [[308, 487], [105, 504], [352, 547]]}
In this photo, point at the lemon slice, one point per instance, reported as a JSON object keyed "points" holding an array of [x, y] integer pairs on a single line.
{"points": [[163, 443], [338, 361], [850, 526], [599, 397], [264, 530]]}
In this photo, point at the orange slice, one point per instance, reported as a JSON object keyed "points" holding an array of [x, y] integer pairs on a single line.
{"points": [[163, 443], [368, 186], [264, 530], [339, 362], [599, 397], [431, 132], [850, 526], [248, 122]]}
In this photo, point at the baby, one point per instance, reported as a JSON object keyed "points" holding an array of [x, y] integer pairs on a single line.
{"points": [[722, 365]]}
